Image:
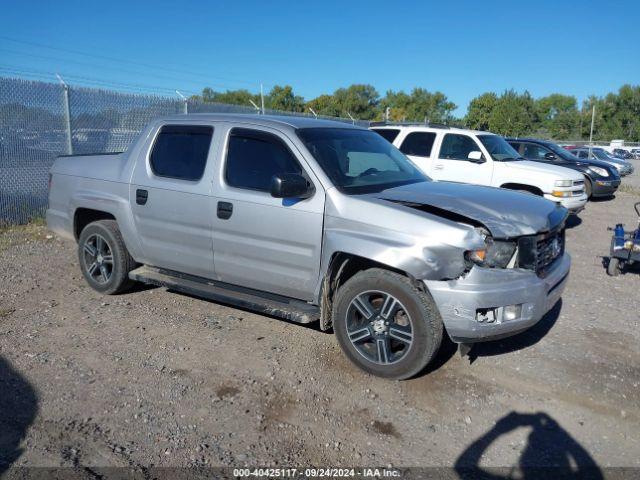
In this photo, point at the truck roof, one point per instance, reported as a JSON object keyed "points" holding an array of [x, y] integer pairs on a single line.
{"points": [[419, 127], [292, 121]]}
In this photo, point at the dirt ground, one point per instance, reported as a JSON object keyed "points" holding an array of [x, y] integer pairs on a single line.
{"points": [[155, 378]]}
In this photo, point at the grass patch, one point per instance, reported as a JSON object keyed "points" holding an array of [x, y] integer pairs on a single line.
{"points": [[35, 231], [5, 312]]}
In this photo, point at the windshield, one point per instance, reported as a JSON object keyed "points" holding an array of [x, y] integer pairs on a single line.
{"points": [[499, 149], [600, 154], [359, 161]]}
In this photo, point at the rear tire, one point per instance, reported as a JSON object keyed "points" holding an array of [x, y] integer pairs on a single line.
{"points": [[385, 325], [104, 259], [614, 268]]}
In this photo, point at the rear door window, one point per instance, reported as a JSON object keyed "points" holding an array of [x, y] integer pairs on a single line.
{"points": [[254, 157], [180, 151], [389, 134], [418, 144]]}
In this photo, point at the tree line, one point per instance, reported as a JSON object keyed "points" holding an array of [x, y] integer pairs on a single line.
{"points": [[510, 113]]}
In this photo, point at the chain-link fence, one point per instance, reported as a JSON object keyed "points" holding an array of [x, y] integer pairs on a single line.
{"points": [[39, 121]]}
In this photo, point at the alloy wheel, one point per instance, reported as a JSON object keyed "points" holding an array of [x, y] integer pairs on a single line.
{"points": [[98, 258], [379, 327]]}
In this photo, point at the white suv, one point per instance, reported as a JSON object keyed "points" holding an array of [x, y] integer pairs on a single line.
{"points": [[483, 158]]}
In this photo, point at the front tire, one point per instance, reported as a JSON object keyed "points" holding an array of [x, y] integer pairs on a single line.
{"points": [[104, 259], [385, 325], [588, 188]]}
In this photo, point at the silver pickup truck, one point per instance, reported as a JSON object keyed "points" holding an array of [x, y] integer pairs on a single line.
{"points": [[313, 220]]}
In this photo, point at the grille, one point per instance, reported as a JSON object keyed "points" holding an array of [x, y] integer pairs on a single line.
{"points": [[548, 249], [540, 252]]}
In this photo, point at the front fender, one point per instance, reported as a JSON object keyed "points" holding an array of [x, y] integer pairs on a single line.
{"points": [[423, 258]]}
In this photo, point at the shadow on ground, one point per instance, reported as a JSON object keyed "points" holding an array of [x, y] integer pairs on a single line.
{"points": [[573, 221], [550, 452], [18, 408]]}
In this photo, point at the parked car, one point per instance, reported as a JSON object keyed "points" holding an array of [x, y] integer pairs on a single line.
{"points": [[602, 180], [624, 168], [636, 153], [313, 220], [483, 158], [622, 153]]}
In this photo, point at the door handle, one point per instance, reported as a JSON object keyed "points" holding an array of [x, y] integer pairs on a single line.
{"points": [[438, 166], [225, 209], [141, 196]]}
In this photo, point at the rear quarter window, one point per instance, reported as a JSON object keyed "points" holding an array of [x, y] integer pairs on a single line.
{"points": [[418, 144], [389, 134]]}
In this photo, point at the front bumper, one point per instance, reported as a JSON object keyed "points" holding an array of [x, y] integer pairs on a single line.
{"points": [[484, 288], [604, 188], [574, 204]]}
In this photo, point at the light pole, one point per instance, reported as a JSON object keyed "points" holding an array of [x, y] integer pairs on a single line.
{"points": [[593, 116]]}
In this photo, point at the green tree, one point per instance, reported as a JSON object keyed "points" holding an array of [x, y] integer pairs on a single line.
{"points": [[324, 105], [618, 114], [283, 98], [231, 97], [479, 111], [558, 116], [359, 100], [513, 115], [419, 105]]}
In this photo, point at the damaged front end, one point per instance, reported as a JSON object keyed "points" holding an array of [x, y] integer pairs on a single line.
{"points": [[508, 284]]}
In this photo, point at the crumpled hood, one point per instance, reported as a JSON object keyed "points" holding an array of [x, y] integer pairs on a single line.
{"points": [[505, 213]]}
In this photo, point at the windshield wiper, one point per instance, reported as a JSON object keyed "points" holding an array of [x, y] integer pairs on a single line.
{"points": [[512, 159]]}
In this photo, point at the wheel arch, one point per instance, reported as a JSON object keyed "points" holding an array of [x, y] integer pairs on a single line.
{"points": [[523, 186], [84, 216], [589, 182], [341, 267]]}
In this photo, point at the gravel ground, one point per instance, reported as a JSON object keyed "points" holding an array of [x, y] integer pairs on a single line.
{"points": [[154, 378]]}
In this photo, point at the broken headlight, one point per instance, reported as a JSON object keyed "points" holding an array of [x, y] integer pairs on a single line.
{"points": [[495, 254]]}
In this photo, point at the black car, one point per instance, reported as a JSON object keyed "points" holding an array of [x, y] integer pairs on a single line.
{"points": [[602, 180]]}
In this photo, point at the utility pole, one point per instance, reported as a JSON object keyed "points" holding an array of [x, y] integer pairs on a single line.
{"points": [[262, 99], [67, 114], [593, 116], [185, 106], [387, 114]]}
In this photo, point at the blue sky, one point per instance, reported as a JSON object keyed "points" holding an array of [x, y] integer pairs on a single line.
{"points": [[460, 48]]}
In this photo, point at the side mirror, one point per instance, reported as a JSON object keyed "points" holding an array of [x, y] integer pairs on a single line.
{"points": [[290, 185], [550, 156], [475, 157]]}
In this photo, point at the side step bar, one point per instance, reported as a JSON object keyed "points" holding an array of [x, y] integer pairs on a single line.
{"points": [[262, 302]]}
